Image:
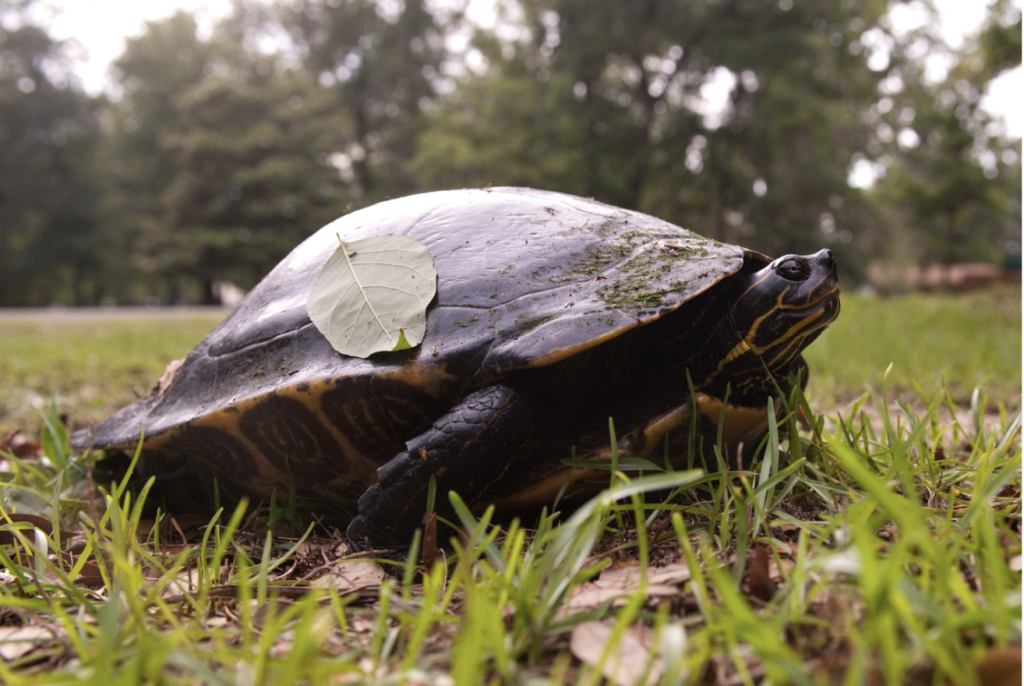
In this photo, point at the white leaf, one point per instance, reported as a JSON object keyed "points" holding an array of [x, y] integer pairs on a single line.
{"points": [[18, 641], [373, 293], [627, 663], [351, 575]]}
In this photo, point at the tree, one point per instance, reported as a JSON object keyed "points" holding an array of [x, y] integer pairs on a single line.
{"points": [[380, 62], [504, 127], [48, 130], [611, 100], [737, 118], [222, 157], [953, 176], [152, 73]]}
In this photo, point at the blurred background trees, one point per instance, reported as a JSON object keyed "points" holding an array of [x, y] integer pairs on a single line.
{"points": [[781, 126], [49, 137]]}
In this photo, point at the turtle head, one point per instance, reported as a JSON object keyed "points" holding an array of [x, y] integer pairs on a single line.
{"points": [[778, 307], [782, 307]]}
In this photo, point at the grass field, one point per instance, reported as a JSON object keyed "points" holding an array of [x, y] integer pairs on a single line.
{"points": [[90, 363], [957, 342], [865, 546]]}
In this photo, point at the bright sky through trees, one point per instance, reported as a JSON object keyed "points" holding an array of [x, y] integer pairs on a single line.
{"points": [[100, 26]]}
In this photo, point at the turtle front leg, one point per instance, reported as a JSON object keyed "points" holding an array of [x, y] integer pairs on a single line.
{"points": [[467, 449]]}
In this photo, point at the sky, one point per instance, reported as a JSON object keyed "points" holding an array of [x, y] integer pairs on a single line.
{"points": [[101, 26]]}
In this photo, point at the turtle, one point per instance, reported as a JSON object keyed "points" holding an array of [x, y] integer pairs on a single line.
{"points": [[554, 315]]}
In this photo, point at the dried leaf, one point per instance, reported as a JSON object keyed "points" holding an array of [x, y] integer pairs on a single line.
{"points": [[669, 574], [349, 575], [18, 641], [1000, 667], [184, 582], [90, 576], [591, 596], [37, 522], [20, 446], [759, 579], [618, 582], [628, 662]]}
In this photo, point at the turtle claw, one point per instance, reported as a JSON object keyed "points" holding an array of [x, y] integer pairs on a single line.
{"points": [[361, 538]]}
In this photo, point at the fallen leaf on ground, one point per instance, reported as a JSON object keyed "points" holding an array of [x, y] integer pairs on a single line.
{"points": [[617, 583], [184, 582], [627, 662], [18, 641], [590, 596], [759, 579], [20, 446], [350, 575], [1000, 667], [36, 521], [630, 576]]}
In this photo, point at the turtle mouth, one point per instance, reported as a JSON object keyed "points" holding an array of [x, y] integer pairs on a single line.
{"points": [[796, 325], [816, 315], [807, 322], [821, 298]]}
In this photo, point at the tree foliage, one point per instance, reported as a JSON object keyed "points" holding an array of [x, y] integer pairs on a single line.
{"points": [[48, 133], [611, 100], [221, 149], [216, 164], [379, 64], [953, 180]]}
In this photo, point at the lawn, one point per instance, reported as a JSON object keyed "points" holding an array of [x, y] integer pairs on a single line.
{"points": [[874, 542], [90, 363], [959, 342]]}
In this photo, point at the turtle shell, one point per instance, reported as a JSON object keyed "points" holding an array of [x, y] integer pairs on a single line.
{"points": [[526, 278]]}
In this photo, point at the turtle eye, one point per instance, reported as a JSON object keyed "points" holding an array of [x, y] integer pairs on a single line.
{"points": [[792, 268]]}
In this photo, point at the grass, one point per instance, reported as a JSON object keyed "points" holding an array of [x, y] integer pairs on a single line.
{"points": [[858, 556], [880, 543], [934, 342], [90, 366]]}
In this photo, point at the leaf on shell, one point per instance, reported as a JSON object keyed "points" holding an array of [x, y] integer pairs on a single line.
{"points": [[372, 295]]}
